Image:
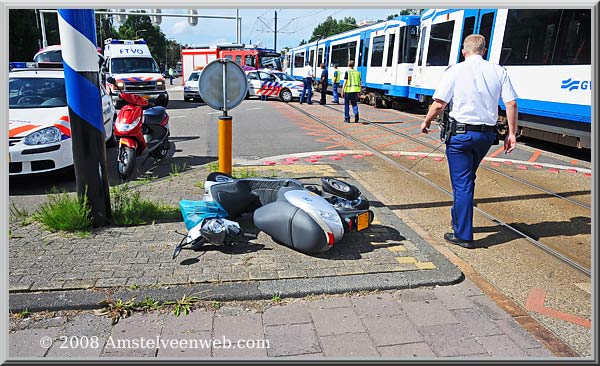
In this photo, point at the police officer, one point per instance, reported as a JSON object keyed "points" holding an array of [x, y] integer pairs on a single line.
{"points": [[350, 92], [307, 89], [336, 84], [473, 87], [324, 83]]}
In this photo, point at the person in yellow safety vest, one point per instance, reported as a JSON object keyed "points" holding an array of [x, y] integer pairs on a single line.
{"points": [[336, 84], [350, 92]]}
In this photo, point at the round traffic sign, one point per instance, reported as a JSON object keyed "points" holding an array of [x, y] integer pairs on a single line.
{"points": [[223, 84]]}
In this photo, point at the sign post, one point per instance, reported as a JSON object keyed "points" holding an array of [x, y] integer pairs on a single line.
{"points": [[223, 86], [77, 29]]}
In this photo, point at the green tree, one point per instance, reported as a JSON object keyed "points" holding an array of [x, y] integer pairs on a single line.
{"points": [[405, 12], [332, 26], [24, 38], [140, 26], [105, 28]]}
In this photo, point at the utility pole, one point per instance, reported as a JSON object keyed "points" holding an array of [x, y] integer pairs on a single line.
{"points": [[275, 32]]}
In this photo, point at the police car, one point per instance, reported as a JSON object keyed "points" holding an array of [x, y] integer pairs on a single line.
{"points": [[191, 89], [39, 132], [273, 84]]}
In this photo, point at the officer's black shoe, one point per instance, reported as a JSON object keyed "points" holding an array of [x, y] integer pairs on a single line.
{"points": [[347, 120], [356, 119], [452, 239]]}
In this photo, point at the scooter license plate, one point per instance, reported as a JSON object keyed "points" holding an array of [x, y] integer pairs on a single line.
{"points": [[362, 221]]}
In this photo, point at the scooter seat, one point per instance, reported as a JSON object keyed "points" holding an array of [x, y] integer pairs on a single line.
{"points": [[154, 115]]}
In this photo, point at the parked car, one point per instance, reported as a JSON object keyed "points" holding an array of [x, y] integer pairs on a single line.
{"points": [[39, 132], [191, 89], [274, 84]]}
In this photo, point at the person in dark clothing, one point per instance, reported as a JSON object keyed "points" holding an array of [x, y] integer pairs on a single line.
{"points": [[324, 83]]}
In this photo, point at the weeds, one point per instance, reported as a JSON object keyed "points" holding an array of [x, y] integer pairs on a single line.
{"points": [[117, 310], [149, 304], [176, 169], [183, 306], [276, 298], [19, 215], [23, 314], [65, 212], [129, 208], [213, 167], [199, 185], [134, 286], [216, 305], [245, 173]]}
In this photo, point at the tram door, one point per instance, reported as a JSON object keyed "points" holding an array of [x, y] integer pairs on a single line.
{"points": [[478, 21]]}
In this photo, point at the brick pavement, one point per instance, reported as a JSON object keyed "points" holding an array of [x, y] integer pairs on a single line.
{"points": [[141, 255], [425, 323]]}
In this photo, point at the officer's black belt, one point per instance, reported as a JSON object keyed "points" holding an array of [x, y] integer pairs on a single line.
{"points": [[464, 127]]}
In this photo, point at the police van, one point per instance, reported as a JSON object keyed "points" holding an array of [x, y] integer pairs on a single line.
{"points": [[130, 63]]}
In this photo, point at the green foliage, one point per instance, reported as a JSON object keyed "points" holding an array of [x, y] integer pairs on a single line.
{"points": [[199, 185], [129, 208], [176, 169], [276, 298], [134, 286], [149, 304], [20, 215], [332, 26], [216, 305], [65, 212], [213, 167], [117, 310], [183, 306], [23, 314]]}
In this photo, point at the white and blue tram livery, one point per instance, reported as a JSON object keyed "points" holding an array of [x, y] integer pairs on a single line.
{"points": [[547, 53], [384, 53]]}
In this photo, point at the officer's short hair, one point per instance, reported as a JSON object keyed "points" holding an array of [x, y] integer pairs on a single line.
{"points": [[351, 63], [474, 43]]}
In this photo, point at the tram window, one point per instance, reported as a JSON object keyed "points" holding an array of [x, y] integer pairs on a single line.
{"points": [[485, 29], [249, 60], [391, 44], [320, 56], [468, 29], [299, 59], [342, 53], [365, 54], [361, 54], [238, 59], [407, 49], [440, 41], [547, 37], [311, 58], [377, 52], [422, 46]]}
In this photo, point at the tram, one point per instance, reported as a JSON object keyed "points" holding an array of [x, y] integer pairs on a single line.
{"points": [[547, 53]]}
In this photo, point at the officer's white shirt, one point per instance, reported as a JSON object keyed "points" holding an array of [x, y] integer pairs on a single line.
{"points": [[474, 87], [308, 71]]}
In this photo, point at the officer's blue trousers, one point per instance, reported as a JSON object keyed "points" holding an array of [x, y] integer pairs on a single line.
{"points": [[464, 153], [336, 98], [306, 90], [350, 98]]}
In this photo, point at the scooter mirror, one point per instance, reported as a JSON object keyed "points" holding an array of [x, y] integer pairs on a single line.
{"points": [[111, 80]]}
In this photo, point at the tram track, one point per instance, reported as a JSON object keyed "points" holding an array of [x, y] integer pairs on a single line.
{"points": [[556, 251]]}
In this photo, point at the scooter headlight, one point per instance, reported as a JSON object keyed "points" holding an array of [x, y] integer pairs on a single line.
{"points": [[126, 127], [44, 136]]}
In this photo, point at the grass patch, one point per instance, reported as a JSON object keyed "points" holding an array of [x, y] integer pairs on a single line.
{"points": [[216, 305], [276, 298], [129, 208], [213, 167], [149, 304], [23, 314], [176, 169], [199, 185], [183, 306], [19, 215], [116, 310], [66, 213]]}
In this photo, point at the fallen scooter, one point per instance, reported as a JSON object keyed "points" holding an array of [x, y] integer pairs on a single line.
{"points": [[303, 217], [139, 130]]}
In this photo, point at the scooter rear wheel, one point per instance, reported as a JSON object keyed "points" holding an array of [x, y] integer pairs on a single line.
{"points": [[126, 161]]}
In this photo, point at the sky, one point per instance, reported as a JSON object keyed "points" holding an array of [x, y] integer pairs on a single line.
{"points": [[293, 25]]}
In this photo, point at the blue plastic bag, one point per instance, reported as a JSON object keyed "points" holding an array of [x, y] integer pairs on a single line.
{"points": [[194, 212]]}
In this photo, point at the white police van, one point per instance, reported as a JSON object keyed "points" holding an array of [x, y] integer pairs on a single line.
{"points": [[130, 63]]}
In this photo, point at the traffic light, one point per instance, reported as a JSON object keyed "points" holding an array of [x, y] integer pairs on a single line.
{"points": [[156, 19], [192, 20], [121, 18]]}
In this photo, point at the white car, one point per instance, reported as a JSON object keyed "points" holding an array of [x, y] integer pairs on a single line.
{"points": [[191, 89], [273, 84], [39, 132]]}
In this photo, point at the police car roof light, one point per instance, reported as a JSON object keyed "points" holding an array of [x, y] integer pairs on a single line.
{"points": [[124, 41]]}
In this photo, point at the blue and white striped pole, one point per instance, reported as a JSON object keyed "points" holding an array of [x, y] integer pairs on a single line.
{"points": [[80, 59]]}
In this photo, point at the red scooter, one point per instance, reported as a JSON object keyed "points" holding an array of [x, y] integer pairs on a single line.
{"points": [[140, 130]]}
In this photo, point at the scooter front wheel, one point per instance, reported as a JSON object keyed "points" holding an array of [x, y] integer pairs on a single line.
{"points": [[126, 161]]}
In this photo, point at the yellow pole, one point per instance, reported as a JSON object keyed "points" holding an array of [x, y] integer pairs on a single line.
{"points": [[225, 144]]}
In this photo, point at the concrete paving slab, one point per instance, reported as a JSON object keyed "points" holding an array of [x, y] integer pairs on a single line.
{"points": [[32, 342], [292, 340], [406, 351], [452, 340], [348, 345], [336, 321], [387, 331]]}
